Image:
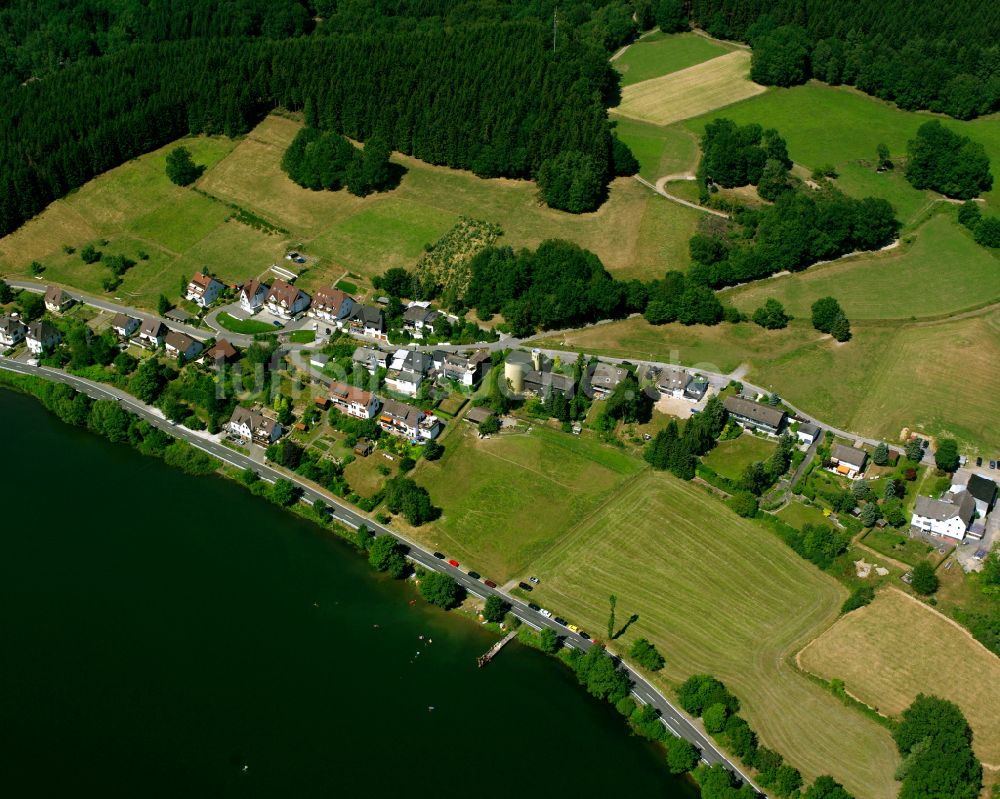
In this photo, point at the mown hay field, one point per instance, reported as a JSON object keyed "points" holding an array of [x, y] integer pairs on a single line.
{"points": [[661, 54], [897, 647], [722, 595], [691, 92]]}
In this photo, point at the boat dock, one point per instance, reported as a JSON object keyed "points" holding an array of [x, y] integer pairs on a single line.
{"points": [[482, 660]]}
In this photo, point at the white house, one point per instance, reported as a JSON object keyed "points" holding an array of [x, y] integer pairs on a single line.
{"points": [[419, 317], [203, 290], [252, 425], [672, 382], [152, 332], [12, 331], [177, 343], [252, 295], [42, 337], [125, 325], [370, 359], [405, 421], [848, 461], [331, 305], [354, 401], [57, 300], [949, 516], [407, 371], [286, 301], [604, 379], [466, 371], [807, 433]]}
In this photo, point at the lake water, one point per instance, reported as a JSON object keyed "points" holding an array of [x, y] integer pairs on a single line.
{"points": [[163, 635]]}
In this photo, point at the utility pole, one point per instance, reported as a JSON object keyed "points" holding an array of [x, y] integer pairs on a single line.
{"points": [[555, 13]]}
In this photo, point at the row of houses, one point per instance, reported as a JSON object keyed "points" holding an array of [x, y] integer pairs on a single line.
{"points": [[39, 335], [408, 369], [396, 418]]}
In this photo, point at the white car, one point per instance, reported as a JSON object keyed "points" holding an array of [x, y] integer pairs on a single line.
{"points": [[547, 614]]}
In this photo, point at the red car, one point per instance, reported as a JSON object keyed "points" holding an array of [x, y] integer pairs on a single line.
{"points": [[453, 563]]}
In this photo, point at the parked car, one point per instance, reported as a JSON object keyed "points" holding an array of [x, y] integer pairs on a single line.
{"points": [[925, 443], [559, 620], [979, 461], [524, 587], [276, 323], [439, 556], [584, 634], [534, 580], [993, 464], [573, 627], [534, 607], [474, 575], [453, 562], [489, 584], [546, 613]]}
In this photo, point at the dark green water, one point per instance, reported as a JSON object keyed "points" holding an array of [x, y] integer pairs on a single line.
{"points": [[158, 632]]}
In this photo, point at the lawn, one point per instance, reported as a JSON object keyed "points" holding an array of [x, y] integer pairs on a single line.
{"points": [[731, 458], [509, 498], [302, 336], [841, 126], [659, 150], [897, 544], [722, 595], [873, 651], [690, 92], [655, 56], [798, 515], [942, 272], [246, 326]]}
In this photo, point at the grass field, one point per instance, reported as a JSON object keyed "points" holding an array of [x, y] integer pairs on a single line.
{"points": [[896, 544], [872, 650], [246, 326], [797, 515], [841, 126], [659, 150], [509, 498], [943, 271], [718, 594], [656, 56], [691, 92], [730, 458]]}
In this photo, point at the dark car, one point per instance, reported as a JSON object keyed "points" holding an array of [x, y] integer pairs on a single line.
{"points": [[474, 575], [979, 461], [489, 584], [993, 464], [925, 443], [584, 634], [276, 323], [525, 587], [534, 607], [439, 556], [559, 620]]}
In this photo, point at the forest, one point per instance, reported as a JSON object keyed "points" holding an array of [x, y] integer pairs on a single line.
{"points": [[916, 53], [453, 84]]}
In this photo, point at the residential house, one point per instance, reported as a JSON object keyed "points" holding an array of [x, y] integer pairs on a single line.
{"points": [[983, 491], [418, 318], [354, 401], [545, 383], [203, 290], [949, 516], [696, 389], [331, 305], [152, 333], [754, 415], [252, 425], [286, 301], [532, 374], [177, 344], [807, 433], [603, 379], [222, 351], [848, 461], [57, 300], [407, 371], [366, 320], [370, 359], [672, 382], [12, 331], [125, 325], [464, 370], [42, 337], [319, 360], [406, 421], [253, 295]]}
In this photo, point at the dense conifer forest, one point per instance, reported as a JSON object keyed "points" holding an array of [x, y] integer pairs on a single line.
{"points": [[456, 84], [917, 53]]}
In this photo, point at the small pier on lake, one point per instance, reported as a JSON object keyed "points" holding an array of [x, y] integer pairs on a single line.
{"points": [[482, 660]]}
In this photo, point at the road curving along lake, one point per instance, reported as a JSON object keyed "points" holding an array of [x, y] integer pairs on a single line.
{"points": [[165, 635]]}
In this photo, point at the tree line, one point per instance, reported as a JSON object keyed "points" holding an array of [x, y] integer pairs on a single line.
{"points": [[940, 56]]}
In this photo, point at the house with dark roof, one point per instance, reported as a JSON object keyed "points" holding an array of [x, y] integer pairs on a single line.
{"points": [[203, 290], [602, 379], [42, 337], [466, 370], [366, 320], [807, 433], [983, 491], [253, 294], [696, 388], [419, 317], [406, 421], [951, 516], [12, 331], [152, 333], [407, 371], [125, 325], [57, 300], [672, 382], [354, 401], [848, 461], [370, 359], [177, 344], [285, 300], [252, 425], [754, 415], [331, 304]]}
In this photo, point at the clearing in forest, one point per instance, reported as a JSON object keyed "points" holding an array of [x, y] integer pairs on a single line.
{"points": [[692, 91], [897, 647]]}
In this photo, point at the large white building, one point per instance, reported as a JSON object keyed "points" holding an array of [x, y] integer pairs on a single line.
{"points": [[949, 516]]}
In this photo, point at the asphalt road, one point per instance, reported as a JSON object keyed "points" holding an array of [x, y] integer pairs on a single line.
{"points": [[673, 718]]}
